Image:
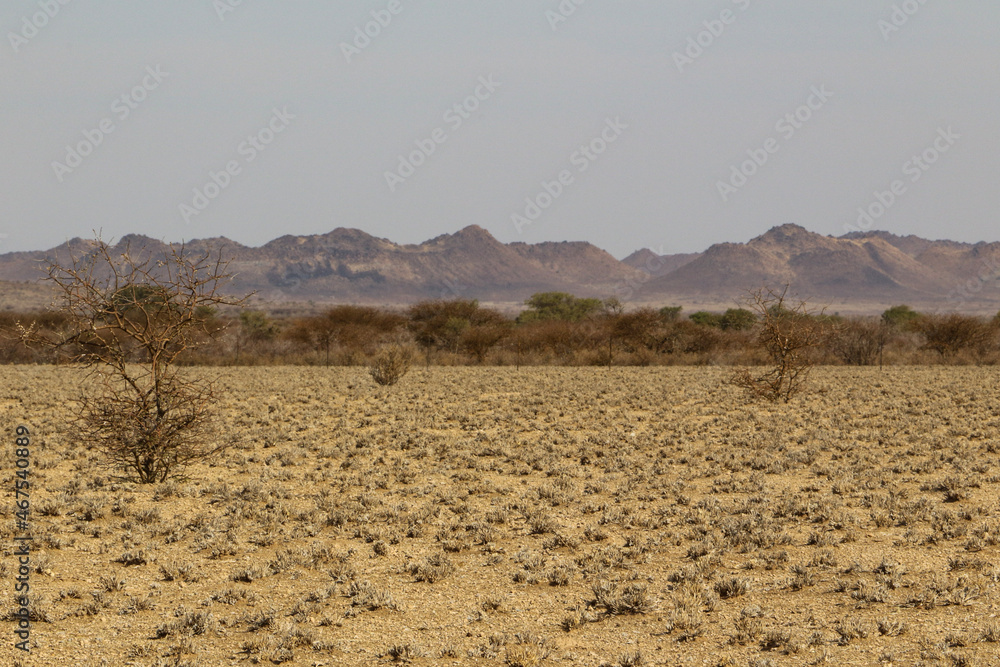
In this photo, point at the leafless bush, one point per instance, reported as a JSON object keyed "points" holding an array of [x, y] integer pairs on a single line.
{"points": [[732, 587], [948, 334], [130, 316], [787, 334], [391, 364], [859, 342], [632, 599], [432, 569], [849, 629]]}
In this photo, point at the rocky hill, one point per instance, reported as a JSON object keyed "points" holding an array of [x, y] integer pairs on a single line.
{"points": [[869, 270]]}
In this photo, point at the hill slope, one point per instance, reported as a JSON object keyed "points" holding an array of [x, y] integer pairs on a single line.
{"points": [[348, 265]]}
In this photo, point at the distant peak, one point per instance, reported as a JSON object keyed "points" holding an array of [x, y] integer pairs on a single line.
{"points": [[135, 238], [349, 232], [473, 230], [783, 234], [473, 234], [788, 229]]}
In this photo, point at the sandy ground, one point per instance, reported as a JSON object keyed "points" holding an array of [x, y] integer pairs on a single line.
{"points": [[490, 516]]}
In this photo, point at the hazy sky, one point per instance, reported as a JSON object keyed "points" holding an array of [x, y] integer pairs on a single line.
{"points": [[663, 124]]}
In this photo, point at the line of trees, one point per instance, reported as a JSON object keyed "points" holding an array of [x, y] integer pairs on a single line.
{"points": [[555, 328]]}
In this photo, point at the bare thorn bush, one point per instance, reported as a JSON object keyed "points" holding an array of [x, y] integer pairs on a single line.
{"points": [[860, 342], [131, 314], [787, 331], [391, 364], [950, 333]]}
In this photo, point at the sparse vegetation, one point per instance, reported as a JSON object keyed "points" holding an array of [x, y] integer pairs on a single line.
{"points": [[787, 332], [949, 334], [509, 517], [556, 329], [391, 364], [859, 342], [129, 318], [899, 317]]}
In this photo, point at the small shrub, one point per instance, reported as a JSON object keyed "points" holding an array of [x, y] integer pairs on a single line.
{"points": [[433, 569], [732, 587], [403, 653], [888, 627], [775, 639], [786, 334], [748, 629], [192, 623], [365, 596], [850, 629], [134, 557], [523, 656], [632, 599], [991, 633], [577, 619], [629, 660], [391, 364], [112, 583], [528, 650]]}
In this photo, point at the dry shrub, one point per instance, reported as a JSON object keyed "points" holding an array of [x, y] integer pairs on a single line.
{"points": [[949, 334], [403, 653], [632, 599], [433, 569], [391, 364], [787, 334], [130, 314], [860, 342], [732, 587]]}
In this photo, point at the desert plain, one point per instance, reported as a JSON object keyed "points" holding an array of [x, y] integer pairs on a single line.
{"points": [[541, 516]]}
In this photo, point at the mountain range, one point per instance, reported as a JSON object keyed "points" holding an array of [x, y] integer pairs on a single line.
{"points": [[857, 272]]}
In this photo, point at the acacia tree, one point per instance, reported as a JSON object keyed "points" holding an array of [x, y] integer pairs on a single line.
{"points": [[486, 330], [948, 334], [131, 315], [786, 331], [860, 342], [356, 329], [558, 306], [456, 325]]}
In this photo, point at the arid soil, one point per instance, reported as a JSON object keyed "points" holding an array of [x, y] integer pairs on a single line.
{"points": [[547, 516]]}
